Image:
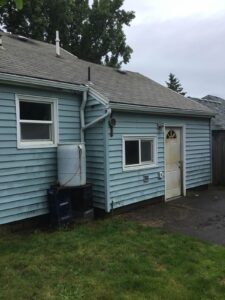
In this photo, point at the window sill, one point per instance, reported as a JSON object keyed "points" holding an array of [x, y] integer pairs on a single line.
{"points": [[35, 145], [141, 167]]}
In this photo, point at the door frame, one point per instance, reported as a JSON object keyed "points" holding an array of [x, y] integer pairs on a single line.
{"points": [[183, 157]]}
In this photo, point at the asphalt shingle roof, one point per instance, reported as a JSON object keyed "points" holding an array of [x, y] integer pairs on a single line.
{"points": [[37, 59], [217, 105]]}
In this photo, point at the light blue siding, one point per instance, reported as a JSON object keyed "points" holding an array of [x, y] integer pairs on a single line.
{"points": [[95, 152], [26, 174], [127, 187]]}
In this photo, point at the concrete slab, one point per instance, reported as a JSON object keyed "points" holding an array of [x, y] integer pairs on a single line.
{"points": [[201, 214]]}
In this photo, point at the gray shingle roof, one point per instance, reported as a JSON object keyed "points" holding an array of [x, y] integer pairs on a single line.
{"points": [[37, 59], [217, 105]]}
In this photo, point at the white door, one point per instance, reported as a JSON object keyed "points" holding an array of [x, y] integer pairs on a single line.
{"points": [[173, 162]]}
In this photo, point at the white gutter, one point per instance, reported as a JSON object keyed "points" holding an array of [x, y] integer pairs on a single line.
{"points": [[35, 82], [159, 110]]}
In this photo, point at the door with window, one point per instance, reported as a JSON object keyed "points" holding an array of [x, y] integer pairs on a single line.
{"points": [[173, 162]]}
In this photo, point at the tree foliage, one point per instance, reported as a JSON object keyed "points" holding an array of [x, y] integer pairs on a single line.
{"points": [[18, 3], [94, 33], [175, 85]]}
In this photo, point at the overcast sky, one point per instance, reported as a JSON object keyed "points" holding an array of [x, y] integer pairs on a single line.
{"points": [[184, 37]]}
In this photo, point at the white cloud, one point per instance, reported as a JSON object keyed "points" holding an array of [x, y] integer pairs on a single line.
{"points": [[161, 10], [183, 37], [191, 49]]}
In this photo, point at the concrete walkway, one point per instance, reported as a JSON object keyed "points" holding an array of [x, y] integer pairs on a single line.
{"points": [[200, 214]]}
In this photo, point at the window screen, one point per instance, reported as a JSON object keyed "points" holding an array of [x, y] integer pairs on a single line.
{"points": [[146, 151], [35, 132]]}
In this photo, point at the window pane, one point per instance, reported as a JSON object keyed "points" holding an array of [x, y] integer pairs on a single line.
{"points": [[35, 111], [132, 152], [35, 132], [146, 151]]}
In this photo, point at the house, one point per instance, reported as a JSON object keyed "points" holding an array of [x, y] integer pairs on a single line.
{"points": [[217, 105], [143, 140]]}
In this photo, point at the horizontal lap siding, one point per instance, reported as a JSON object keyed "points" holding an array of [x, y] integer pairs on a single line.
{"points": [[26, 174], [95, 155], [127, 187], [198, 155]]}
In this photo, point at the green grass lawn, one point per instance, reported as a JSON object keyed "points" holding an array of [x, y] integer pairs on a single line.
{"points": [[109, 259]]}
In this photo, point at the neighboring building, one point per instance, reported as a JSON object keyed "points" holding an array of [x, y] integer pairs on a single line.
{"points": [[217, 105], [142, 140]]}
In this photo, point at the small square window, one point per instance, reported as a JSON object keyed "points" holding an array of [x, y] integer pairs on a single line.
{"points": [[36, 122], [139, 152]]}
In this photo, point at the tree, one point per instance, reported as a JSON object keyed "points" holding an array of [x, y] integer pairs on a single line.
{"points": [[175, 85], [94, 33], [18, 3]]}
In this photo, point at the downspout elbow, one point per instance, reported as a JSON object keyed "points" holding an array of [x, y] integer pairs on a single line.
{"points": [[107, 113]]}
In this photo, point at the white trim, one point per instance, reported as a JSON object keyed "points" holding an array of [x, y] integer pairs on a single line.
{"points": [[183, 156], [54, 122], [32, 81], [140, 166], [153, 110], [35, 122], [95, 94]]}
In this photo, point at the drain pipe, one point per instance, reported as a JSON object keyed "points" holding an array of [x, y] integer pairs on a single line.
{"points": [[82, 119], [106, 114]]}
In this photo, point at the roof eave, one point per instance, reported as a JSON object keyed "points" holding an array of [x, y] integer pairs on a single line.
{"points": [[160, 110], [38, 82], [95, 94]]}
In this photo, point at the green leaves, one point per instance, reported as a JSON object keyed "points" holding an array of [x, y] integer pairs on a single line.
{"points": [[2, 2], [19, 3]]}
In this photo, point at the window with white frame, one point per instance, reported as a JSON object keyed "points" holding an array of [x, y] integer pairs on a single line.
{"points": [[36, 121], [139, 152]]}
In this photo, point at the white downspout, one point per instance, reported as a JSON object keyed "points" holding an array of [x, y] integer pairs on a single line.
{"points": [[82, 118], [82, 121], [106, 114]]}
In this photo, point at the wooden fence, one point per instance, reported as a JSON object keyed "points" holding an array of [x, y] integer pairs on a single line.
{"points": [[218, 157]]}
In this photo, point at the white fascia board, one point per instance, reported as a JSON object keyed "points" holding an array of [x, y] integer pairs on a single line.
{"points": [[160, 110], [98, 96], [36, 82]]}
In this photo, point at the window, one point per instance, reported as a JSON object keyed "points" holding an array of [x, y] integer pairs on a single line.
{"points": [[171, 134], [36, 122], [139, 152]]}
